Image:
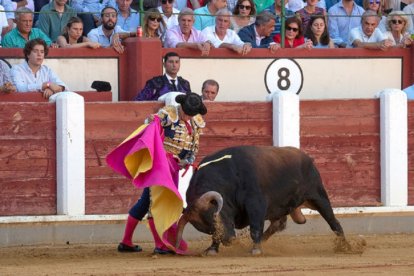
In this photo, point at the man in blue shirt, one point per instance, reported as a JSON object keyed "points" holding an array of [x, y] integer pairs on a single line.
{"points": [[410, 92], [128, 18], [109, 34], [343, 17], [204, 16]]}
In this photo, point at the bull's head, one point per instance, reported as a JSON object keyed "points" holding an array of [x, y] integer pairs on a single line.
{"points": [[204, 214]]}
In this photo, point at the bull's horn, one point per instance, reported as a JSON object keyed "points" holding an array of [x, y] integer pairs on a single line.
{"points": [[181, 224], [204, 201]]}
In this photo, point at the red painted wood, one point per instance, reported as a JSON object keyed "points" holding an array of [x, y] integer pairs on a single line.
{"points": [[27, 159], [89, 96], [109, 124], [343, 138]]}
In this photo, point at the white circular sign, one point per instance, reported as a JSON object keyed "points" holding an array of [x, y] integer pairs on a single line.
{"points": [[284, 75]]}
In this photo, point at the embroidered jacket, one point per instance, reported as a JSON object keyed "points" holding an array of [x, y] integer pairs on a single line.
{"points": [[179, 140]]}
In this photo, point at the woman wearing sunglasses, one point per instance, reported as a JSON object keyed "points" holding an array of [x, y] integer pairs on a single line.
{"points": [[293, 35], [244, 12], [397, 26], [317, 32], [154, 25], [378, 7]]}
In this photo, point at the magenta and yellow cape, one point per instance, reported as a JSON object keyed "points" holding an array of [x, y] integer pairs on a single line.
{"points": [[142, 158]]}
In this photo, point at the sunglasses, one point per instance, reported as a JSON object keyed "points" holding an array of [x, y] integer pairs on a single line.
{"points": [[375, 2], [243, 7], [158, 19], [165, 1], [397, 21], [292, 29]]}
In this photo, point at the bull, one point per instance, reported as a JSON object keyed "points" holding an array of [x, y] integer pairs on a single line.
{"points": [[247, 185]]}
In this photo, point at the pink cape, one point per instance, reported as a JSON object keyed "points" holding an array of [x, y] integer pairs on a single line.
{"points": [[142, 158]]}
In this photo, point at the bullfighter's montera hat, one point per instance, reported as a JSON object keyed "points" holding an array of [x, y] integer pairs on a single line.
{"points": [[192, 104]]}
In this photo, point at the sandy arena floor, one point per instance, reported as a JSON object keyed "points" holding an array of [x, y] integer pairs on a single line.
{"points": [[283, 255]]}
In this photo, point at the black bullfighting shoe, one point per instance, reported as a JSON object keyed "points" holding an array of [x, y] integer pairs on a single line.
{"points": [[126, 248], [161, 251]]}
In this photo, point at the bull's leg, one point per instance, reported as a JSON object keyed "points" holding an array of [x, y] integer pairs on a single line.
{"points": [[275, 226], [323, 206], [256, 212], [214, 247]]}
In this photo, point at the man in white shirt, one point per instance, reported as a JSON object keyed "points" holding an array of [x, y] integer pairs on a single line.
{"points": [[169, 13], [3, 20], [221, 36], [367, 35], [31, 75]]}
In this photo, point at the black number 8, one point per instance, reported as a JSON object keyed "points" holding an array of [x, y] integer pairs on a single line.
{"points": [[283, 83]]}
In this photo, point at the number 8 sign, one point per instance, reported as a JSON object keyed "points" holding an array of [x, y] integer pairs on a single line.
{"points": [[284, 74]]}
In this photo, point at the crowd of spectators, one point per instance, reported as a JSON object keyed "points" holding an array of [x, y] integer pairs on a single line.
{"points": [[238, 25], [180, 23]]}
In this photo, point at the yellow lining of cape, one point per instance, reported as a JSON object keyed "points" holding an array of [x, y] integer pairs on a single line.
{"points": [[166, 208], [139, 161]]}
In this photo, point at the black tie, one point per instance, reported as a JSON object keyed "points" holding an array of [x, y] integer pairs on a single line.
{"points": [[173, 85]]}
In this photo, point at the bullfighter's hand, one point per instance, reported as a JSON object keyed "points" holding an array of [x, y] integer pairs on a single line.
{"points": [[183, 163]]}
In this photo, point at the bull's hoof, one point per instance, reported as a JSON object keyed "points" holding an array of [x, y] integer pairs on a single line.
{"points": [[256, 251], [210, 252]]}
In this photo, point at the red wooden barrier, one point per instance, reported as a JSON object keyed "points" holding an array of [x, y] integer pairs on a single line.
{"points": [[27, 159], [89, 96], [341, 135]]}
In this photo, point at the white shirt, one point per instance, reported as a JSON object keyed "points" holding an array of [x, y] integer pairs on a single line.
{"points": [[258, 37], [26, 81], [391, 37], [231, 37], [357, 34], [172, 20], [97, 35], [409, 10], [3, 19]]}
